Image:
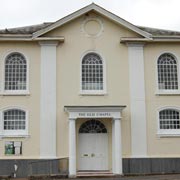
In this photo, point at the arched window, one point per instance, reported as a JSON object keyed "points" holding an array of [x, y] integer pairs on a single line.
{"points": [[167, 72], [15, 72], [92, 126], [14, 122], [92, 75], [169, 120]]}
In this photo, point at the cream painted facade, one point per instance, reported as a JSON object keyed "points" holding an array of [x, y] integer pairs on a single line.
{"points": [[56, 106]]}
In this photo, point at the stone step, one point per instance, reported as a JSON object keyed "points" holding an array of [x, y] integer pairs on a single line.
{"points": [[95, 174]]}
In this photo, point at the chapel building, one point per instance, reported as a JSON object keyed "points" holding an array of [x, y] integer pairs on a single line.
{"points": [[93, 89]]}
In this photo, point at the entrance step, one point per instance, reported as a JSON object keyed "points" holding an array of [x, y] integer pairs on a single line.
{"points": [[94, 174]]}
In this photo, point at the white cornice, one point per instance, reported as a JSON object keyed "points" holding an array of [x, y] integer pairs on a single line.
{"points": [[137, 40], [154, 39], [25, 38], [93, 108]]}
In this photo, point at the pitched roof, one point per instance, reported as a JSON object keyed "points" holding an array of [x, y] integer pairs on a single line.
{"points": [[25, 30], [159, 32]]}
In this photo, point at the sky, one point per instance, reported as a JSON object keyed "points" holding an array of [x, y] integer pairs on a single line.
{"points": [[163, 14]]}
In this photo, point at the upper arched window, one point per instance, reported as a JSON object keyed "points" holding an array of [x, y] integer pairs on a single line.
{"points": [[15, 72], [167, 72], [92, 75]]}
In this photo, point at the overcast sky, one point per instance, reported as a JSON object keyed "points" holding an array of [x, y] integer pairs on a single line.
{"points": [[152, 13]]}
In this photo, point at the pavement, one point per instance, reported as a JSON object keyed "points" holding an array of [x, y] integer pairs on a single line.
{"points": [[145, 177]]}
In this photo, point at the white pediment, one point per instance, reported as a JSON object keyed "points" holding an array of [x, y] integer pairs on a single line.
{"points": [[95, 8]]}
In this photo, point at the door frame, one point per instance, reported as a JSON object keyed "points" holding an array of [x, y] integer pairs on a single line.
{"points": [[105, 144]]}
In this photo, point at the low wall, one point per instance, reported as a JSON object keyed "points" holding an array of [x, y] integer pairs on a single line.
{"points": [[131, 166], [24, 168], [151, 165]]}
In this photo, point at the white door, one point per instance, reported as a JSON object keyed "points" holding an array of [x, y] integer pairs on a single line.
{"points": [[93, 151]]}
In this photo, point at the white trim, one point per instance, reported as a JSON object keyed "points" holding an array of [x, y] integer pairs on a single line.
{"points": [[167, 92], [166, 132], [92, 18], [168, 135], [168, 107], [16, 37], [94, 92], [14, 133], [138, 156], [15, 136], [98, 9], [15, 92], [48, 157], [45, 43]]}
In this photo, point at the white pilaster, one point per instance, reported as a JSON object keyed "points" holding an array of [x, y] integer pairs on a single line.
{"points": [[72, 147], [48, 100], [116, 149], [113, 149], [137, 97]]}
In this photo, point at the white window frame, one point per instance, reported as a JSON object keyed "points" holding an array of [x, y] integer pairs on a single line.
{"points": [[167, 91], [167, 132], [13, 133], [15, 92], [93, 92]]}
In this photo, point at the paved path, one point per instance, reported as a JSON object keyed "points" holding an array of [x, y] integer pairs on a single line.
{"points": [[151, 177]]}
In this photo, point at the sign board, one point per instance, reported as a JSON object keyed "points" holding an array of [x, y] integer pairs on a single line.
{"points": [[95, 115]]}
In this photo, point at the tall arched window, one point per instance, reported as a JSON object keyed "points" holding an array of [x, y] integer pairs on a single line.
{"points": [[169, 121], [14, 122], [92, 75], [167, 72], [15, 72]]}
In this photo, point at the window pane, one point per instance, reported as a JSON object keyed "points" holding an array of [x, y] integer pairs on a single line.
{"points": [[167, 72], [14, 119], [92, 126], [15, 72], [92, 72], [169, 119]]}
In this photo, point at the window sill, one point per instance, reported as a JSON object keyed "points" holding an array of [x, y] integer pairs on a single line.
{"points": [[14, 136], [92, 93], [15, 93], [170, 135], [12, 155], [158, 92]]}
